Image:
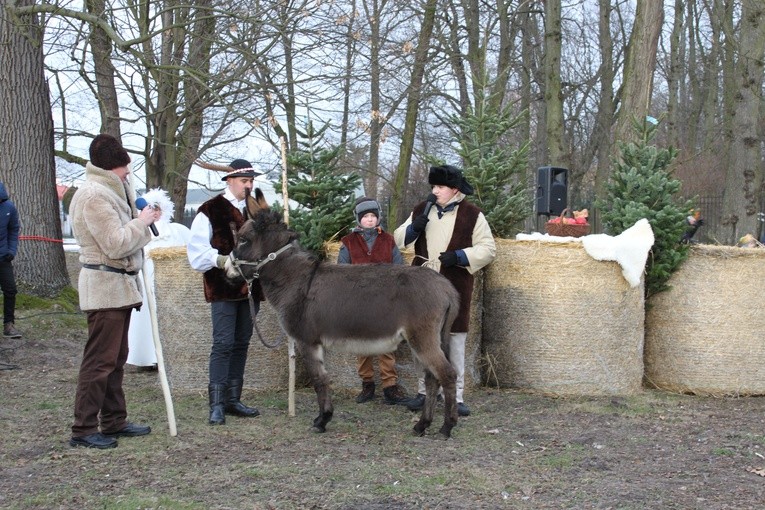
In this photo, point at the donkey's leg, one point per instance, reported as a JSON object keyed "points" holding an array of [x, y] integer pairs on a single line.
{"points": [[313, 355], [437, 370], [431, 394], [448, 379]]}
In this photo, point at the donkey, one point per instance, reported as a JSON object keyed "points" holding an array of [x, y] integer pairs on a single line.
{"points": [[364, 309]]}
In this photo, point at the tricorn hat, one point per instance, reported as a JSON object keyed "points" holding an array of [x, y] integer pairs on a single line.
{"points": [[106, 152], [451, 176]]}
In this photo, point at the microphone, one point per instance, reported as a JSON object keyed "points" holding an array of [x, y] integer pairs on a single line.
{"points": [[430, 201], [140, 203]]}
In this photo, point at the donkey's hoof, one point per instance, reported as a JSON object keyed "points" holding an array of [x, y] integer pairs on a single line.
{"points": [[419, 429], [318, 430], [444, 434]]}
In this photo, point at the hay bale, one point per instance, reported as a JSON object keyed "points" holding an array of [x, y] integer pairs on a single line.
{"points": [[185, 328], [561, 323], [342, 366], [704, 335]]}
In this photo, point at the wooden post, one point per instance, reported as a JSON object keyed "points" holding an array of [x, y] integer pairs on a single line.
{"points": [[151, 302], [290, 341]]}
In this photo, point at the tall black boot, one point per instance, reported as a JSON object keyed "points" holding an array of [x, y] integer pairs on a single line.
{"points": [[217, 394], [234, 404]]}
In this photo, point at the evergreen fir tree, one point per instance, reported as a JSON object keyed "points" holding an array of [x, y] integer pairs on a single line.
{"points": [[496, 171], [642, 186], [325, 197]]}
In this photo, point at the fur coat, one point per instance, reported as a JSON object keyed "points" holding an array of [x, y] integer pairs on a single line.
{"points": [[104, 224]]}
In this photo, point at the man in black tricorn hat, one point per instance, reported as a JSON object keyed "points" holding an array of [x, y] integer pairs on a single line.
{"points": [[451, 236], [212, 240]]}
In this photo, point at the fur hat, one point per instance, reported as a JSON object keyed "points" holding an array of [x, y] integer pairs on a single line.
{"points": [[450, 176], [366, 205], [107, 152], [241, 168]]}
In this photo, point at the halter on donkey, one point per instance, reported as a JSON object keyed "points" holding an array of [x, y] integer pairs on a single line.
{"points": [[364, 309]]}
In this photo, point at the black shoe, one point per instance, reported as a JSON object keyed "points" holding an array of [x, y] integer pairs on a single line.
{"points": [[239, 409], [234, 403], [97, 440], [130, 430], [217, 393], [10, 331], [367, 392], [395, 395], [462, 409], [217, 415], [416, 403]]}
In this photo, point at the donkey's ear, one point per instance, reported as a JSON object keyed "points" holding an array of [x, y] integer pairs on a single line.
{"points": [[256, 203]]}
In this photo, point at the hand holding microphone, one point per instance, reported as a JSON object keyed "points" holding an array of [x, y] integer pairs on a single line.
{"points": [[141, 204], [419, 223]]}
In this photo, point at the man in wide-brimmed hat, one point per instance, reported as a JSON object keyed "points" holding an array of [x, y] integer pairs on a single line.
{"points": [[212, 240]]}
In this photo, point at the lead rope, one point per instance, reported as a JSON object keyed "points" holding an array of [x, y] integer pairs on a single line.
{"points": [[254, 315]]}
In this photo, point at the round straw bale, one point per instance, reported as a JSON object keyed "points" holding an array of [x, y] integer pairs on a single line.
{"points": [[341, 366], [185, 329], [704, 335], [559, 322]]}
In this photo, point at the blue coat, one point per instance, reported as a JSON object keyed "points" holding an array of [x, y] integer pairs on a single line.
{"points": [[9, 225]]}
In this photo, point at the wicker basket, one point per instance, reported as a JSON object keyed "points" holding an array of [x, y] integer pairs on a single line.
{"points": [[561, 229]]}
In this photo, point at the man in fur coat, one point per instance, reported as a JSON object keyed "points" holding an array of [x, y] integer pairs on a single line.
{"points": [[111, 234], [451, 236]]}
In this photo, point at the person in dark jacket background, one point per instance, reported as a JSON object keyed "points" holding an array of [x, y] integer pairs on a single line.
{"points": [[9, 242]]}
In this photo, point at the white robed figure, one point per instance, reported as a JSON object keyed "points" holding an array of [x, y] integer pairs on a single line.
{"points": [[140, 340]]}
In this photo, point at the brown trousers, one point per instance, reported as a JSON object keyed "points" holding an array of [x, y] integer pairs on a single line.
{"points": [[387, 363], [99, 386]]}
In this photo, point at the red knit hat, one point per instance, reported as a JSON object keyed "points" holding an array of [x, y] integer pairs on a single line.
{"points": [[107, 152]]}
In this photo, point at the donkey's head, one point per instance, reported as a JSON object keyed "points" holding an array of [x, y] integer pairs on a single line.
{"points": [[265, 234]]}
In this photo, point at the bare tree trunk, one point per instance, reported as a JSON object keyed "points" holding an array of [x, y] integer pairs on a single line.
{"points": [[412, 109], [101, 46], [605, 118], [26, 158], [376, 121], [639, 67], [553, 92], [743, 182], [675, 74]]}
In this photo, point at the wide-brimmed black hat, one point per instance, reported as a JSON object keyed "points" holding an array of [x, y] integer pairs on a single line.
{"points": [[241, 168], [451, 176]]}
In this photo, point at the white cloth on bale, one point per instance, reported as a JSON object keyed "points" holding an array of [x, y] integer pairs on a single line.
{"points": [[140, 335], [629, 249]]}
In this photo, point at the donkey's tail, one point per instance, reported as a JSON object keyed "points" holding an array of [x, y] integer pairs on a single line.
{"points": [[446, 326]]}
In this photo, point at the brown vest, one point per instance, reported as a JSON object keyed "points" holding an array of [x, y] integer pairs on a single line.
{"points": [[381, 252], [217, 287], [462, 237]]}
